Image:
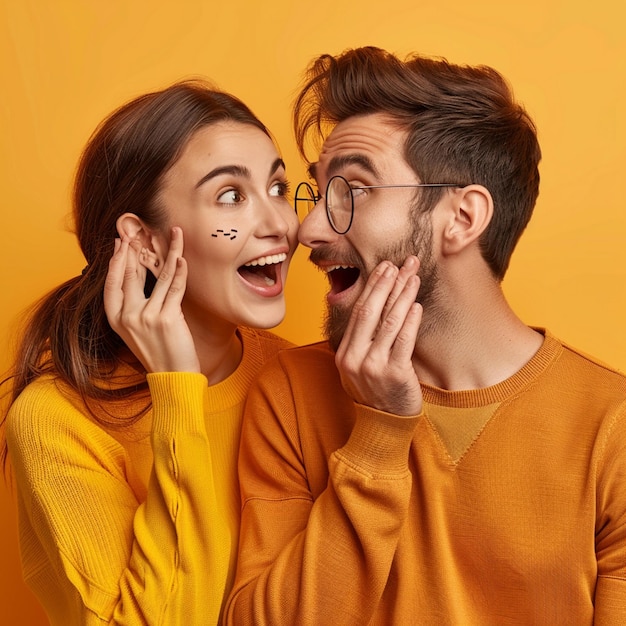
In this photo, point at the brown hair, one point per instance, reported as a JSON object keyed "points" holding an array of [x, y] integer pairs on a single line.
{"points": [[120, 170], [463, 126]]}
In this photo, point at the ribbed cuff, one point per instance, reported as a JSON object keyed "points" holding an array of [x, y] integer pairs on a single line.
{"points": [[380, 442], [177, 401]]}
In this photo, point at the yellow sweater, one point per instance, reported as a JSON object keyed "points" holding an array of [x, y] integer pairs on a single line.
{"points": [[515, 515], [134, 526]]}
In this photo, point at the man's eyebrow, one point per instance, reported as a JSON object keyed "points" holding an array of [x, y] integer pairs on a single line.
{"points": [[233, 170], [339, 162], [311, 170]]}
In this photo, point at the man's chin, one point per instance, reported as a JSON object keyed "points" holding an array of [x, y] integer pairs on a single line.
{"points": [[335, 325]]}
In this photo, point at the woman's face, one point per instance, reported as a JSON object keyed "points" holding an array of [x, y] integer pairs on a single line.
{"points": [[227, 192]]}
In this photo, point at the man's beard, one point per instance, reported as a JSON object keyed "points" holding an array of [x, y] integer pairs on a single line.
{"points": [[418, 243]]}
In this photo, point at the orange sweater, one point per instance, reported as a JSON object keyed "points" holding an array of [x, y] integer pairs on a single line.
{"points": [[139, 525], [354, 516]]}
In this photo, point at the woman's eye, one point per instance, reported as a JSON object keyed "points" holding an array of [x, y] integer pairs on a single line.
{"points": [[232, 196], [279, 189]]}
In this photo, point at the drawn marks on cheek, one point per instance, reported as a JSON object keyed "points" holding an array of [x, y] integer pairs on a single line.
{"points": [[231, 234]]}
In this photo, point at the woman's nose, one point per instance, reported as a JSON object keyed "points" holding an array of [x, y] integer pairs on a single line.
{"points": [[277, 220]]}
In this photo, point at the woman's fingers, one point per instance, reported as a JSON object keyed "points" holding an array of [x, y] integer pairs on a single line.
{"points": [[113, 292], [134, 276], [154, 328], [170, 285]]}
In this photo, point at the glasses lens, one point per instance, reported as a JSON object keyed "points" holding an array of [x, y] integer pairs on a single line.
{"points": [[339, 204], [305, 200]]}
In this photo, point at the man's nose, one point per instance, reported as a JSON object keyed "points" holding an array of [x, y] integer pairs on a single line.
{"points": [[315, 229]]}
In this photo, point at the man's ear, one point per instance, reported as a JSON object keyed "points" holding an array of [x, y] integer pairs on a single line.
{"points": [[132, 227], [469, 216]]}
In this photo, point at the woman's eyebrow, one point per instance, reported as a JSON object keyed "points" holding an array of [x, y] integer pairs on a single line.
{"points": [[237, 170], [278, 163], [233, 170]]}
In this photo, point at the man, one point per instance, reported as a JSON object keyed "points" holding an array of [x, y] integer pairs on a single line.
{"points": [[438, 461]]}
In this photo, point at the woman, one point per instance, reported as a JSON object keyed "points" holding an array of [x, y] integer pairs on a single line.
{"points": [[123, 444]]}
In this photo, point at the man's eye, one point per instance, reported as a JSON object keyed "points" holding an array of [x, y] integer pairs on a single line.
{"points": [[279, 189], [232, 196], [358, 193]]}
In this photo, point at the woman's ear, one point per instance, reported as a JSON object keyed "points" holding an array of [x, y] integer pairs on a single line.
{"points": [[131, 226], [150, 246], [471, 212]]}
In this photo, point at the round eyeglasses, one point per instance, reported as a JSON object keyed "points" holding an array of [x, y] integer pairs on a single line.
{"points": [[340, 199]]}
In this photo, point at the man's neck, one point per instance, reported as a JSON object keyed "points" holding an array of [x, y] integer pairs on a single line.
{"points": [[473, 341]]}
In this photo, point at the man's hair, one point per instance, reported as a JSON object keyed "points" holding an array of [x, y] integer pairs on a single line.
{"points": [[462, 122]]}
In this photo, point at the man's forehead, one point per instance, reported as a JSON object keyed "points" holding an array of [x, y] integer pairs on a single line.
{"points": [[361, 140]]}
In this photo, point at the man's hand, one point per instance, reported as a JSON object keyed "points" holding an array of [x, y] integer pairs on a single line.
{"points": [[153, 328], [374, 358]]}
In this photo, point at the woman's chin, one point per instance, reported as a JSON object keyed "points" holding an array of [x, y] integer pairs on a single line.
{"points": [[265, 317]]}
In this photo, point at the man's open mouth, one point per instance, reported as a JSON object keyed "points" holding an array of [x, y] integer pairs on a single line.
{"points": [[264, 271], [341, 277]]}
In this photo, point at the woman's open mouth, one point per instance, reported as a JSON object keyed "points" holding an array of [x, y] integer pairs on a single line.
{"points": [[264, 274]]}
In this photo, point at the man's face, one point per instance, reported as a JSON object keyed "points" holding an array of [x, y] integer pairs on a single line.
{"points": [[367, 150]]}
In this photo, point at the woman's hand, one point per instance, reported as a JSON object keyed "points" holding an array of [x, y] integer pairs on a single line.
{"points": [[153, 328]]}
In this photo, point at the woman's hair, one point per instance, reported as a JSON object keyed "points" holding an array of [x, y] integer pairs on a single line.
{"points": [[120, 170], [462, 123]]}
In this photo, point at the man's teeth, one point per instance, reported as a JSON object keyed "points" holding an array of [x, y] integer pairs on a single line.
{"points": [[332, 268], [267, 260]]}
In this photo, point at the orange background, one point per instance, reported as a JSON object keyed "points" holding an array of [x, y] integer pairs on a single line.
{"points": [[67, 63]]}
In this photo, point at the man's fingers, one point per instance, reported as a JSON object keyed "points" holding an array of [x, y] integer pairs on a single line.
{"points": [[408, 269], [366, 312], [404, 345], [392, 324]]}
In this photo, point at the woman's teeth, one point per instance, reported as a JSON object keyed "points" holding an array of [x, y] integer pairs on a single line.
{"points": [[264, 270], [267, 260]]}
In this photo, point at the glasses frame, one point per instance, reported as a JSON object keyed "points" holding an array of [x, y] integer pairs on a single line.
{"points": [[316, 197]]}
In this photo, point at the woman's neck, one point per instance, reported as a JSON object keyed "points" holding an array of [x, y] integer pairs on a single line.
{"points": [[219, 349]]}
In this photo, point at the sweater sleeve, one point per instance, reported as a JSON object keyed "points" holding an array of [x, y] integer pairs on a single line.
{"points": [[610, 597], [324, 560], [116, 560]]}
